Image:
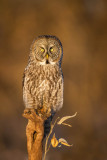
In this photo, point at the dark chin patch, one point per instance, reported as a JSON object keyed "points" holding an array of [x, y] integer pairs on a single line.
{"points": [[47, 62]]}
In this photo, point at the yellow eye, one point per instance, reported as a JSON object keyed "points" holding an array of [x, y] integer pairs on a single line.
{"points": [[51, 49], [42, 50]]}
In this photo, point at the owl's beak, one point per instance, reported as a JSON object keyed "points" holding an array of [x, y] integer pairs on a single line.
{"points": [[47, 56]]}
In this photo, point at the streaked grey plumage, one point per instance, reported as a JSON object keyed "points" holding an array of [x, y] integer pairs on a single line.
{"points": [[43, 79]]}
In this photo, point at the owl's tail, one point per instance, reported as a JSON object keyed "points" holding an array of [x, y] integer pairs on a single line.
{"points": [[47, 125]]}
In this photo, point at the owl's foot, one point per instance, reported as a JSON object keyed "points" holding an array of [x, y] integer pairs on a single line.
{"points": [[30, 114], [44, 112], [40, 114]]}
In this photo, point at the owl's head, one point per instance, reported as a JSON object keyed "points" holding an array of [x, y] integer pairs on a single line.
{"points": [[46, 49]]}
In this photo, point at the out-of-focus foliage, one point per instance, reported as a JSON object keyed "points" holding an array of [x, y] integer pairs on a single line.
{"points": [[81, 25]]}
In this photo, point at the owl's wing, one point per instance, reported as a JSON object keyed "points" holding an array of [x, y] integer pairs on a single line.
{"points": [[27, 96], [23, 78]]}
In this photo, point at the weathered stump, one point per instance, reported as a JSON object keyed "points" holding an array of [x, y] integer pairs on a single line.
{"points": [[34, 133]]}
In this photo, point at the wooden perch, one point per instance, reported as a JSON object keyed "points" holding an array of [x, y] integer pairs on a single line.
{"points": [[34, 133]]}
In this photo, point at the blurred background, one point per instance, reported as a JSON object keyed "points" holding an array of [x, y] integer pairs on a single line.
{"points": [[81, 25]]}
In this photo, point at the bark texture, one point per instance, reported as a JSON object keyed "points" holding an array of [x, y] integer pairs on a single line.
{"points": [[34, 133]]}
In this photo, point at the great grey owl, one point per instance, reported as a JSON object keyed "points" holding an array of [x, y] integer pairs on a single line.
{"points": [[43, 78]]}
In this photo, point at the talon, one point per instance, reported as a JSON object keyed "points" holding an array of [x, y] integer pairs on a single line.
{"points": [[29, 112]]}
